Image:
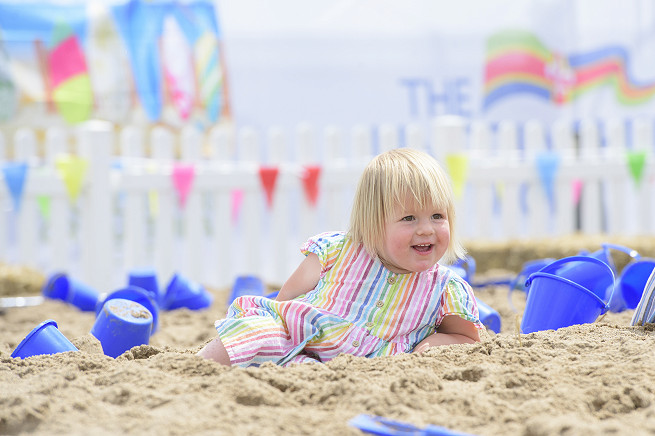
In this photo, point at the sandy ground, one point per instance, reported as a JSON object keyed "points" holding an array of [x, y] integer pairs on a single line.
{"points": [[587, 379]]}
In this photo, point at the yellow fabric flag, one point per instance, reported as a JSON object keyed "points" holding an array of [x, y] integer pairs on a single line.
{"points": [[72, 171], [458, 168]]}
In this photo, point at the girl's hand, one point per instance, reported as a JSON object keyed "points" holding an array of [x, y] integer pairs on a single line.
{"points": [[304, 279], [453, 330]]}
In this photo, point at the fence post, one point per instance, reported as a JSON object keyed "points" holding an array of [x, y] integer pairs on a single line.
{"points": [[96, 140], [59, 234], [590, 198], [26, 217], [194, 258]]}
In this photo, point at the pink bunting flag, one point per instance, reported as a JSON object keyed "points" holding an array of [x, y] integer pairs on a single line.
{"points": [[183, 180], [310, 177], [236, 201], [576, 186], [268, 177]]}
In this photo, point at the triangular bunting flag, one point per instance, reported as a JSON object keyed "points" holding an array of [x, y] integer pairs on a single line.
{"points": [[636, 164], [72, 171], [576, 186], [153, 195], [458, 165], [182, 180], [547, 166], [15, 174], [309, 177], [44, 205], [268, 177], [236, 199]]}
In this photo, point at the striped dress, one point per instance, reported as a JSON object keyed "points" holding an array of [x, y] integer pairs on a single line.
{"points": [[358, 307]]}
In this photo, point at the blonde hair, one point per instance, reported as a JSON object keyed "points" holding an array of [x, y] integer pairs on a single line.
{"points": [[386, 181]]}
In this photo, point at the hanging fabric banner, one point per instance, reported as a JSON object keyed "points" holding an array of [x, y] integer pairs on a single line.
{"points": [[310, 177], [183, 176], [15, 174], [268, 178]]}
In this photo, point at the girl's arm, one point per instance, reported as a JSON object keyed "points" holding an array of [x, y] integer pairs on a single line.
{"points": [[452, 330], [304, 279]]}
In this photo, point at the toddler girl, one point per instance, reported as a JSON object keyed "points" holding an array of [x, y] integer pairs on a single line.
{"points": [[376, 290]]}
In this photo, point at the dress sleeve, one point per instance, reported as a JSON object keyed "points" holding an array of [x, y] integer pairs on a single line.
{"points": [[326, 246], [458, 299]]}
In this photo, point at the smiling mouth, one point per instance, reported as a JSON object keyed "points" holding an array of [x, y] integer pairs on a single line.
{"points": [[423, 248]]}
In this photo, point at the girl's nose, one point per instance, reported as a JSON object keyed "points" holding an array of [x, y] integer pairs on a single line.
{"points": [[424, 227]]}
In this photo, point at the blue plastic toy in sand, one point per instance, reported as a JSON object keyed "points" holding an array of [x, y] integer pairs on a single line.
{"points": [[465, 268], [590, 275], [630, 284], [121, 325], [182, 292], [61, 287], [136, 294], [43, 339], [145, 278], [246, 285], [554, 302], [488, 316], [379, 425]]}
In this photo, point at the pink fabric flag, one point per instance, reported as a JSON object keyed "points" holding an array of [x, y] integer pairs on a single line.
{"points": [[236, 199], [576, 186], [182, 180]]}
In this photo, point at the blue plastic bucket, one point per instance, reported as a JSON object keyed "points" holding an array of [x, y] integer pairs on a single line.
{"points": [[489, 316], [61, 287], [145, 278], [246, 285], [465, 268], [182, 292], [633, 278], [592, 275], [43, 339], [554, 301], [121, 325], [138, 295]]}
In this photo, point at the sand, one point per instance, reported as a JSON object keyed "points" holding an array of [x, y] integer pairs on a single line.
{"points": [[588, 379]]}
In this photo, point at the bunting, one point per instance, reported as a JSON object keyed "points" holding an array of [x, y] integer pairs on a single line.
{"points": [[310, 176], [458, 165], [72, 170], [636, 164], [183, 176], [268, 177], [547, 166], [15, 174]]}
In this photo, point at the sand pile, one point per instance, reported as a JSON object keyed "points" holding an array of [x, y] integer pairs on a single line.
{"points": [[588, 379]]}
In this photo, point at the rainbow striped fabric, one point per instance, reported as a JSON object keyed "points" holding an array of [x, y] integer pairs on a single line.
{"points": [[517, 62], [358, 307]]}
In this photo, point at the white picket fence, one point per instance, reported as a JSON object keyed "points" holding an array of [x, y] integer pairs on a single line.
{"points": [[128, 214]]}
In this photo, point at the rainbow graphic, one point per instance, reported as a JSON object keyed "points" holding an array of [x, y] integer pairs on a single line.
{"points": [[518, 63]]}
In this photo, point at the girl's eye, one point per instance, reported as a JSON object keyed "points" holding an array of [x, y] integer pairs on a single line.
{"points": [[407, 218], [437, 216]]}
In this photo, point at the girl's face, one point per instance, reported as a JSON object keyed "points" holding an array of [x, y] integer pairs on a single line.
{"points": [[415, 238]]}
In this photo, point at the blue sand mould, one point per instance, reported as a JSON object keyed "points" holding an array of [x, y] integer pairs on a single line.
{"points": [[386, 427], [488, 316], [182, 292], [121, 325], [43, 339], [145, 278]]}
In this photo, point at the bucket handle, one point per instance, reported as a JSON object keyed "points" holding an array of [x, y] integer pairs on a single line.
{"points": [[553, 266], [634, 254]]}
